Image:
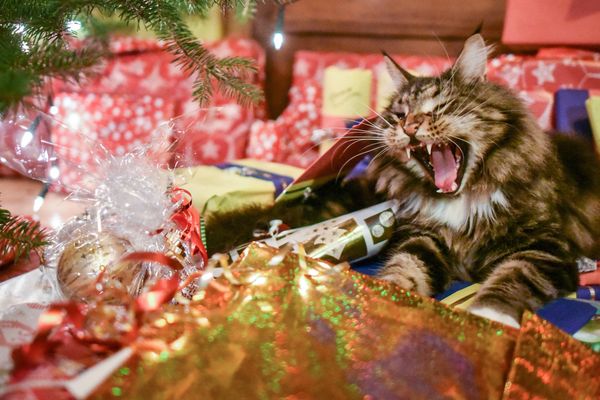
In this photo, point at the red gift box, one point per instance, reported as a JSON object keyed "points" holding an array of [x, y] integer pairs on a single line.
{"points": [[141, 69], [537, 22], [94, 122]]}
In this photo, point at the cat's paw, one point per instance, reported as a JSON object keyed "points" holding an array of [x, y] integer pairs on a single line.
{"points": [[495, 315], [408, 272]]}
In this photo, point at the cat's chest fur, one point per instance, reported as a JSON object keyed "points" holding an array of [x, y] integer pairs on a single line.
{"points": [[459, 213]]}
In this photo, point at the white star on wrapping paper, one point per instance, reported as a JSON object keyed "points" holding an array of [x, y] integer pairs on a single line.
{"points": [[301, 68], [136, 67], [511, 74], [329, 234], [153, 81], [115, 79], [209, 149], [544, 72], [526, 98], [231, 111]]}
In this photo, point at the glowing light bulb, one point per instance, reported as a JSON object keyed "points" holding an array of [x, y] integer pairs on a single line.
{"points": [[73, 26], [278, 31], [38, 203], [277, 40], [53, 110], [54, 172]]}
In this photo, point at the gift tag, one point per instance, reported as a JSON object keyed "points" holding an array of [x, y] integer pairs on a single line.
{"points": [[346, 92]]}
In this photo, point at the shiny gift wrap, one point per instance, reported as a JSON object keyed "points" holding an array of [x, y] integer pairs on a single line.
{"points": [[549, 364], [280, 325]]}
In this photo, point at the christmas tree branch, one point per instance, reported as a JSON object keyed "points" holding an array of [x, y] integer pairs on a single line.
{"points": [[19, 236], [35, 43]]}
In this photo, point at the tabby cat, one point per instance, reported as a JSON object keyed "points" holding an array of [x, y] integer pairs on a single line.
{"points": [[486, 196]]}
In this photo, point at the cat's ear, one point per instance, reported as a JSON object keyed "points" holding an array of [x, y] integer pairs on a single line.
{"points": [[399, 75], [472, 61]]}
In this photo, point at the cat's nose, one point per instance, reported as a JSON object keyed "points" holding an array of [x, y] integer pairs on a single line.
{"points": [[412, 123]]}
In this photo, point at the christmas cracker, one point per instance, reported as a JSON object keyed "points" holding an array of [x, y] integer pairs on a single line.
{"points": [[351, 237]]}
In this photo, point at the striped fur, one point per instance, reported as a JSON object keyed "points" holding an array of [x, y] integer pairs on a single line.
{"points": [[528, 204]]}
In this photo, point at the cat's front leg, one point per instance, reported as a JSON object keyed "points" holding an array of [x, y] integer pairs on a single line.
{"points": [[418, 262], [526, 280]]}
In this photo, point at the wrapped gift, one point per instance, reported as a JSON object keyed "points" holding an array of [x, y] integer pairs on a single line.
{"points": [[550, 70], [541, 106], [141, 67], [92, 123], [563, 22], [228, 186], [570, 114], [593, 108]]}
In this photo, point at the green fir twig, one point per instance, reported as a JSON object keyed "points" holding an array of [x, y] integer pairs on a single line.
{"points": [[35, 43], [19, 236]]}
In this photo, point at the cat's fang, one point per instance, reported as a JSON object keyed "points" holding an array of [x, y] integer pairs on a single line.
{"points": [[429, 147], [407, 152]]}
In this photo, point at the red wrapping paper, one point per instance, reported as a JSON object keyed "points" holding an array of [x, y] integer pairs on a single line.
{"points": [[139, 74]]}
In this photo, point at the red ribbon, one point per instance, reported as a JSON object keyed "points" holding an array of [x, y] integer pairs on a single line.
{"points": [[187, 220], [63, 325]]}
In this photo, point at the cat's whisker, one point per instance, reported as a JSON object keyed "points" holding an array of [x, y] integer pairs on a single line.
{"points": [[378, 114], [361, 154], [382, 152]]}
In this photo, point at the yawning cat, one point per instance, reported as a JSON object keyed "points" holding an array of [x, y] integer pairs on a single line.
{"points": [[486, 196]]}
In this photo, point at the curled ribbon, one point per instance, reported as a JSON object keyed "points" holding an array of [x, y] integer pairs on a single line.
{"points": [[188, 221], [64, 324]]}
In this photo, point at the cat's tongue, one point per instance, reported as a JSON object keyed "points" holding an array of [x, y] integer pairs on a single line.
{"points": [[444, 168]]}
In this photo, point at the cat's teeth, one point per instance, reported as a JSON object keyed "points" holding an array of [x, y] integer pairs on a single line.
{"points": [[454, 186], [440, 191], [407, 152], [429, 146]]}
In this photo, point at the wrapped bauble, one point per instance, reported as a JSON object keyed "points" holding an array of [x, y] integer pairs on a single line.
{"points": [[85, 258]]}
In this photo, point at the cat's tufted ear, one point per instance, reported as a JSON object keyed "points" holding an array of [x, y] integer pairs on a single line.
{"points": [[399, 75], [472, 61]]}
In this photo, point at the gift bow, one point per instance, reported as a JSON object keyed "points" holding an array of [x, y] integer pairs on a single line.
{"points": [[189, 222]]}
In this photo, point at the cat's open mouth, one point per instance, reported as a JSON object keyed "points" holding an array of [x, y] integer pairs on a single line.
{"points": [[444, 162]]}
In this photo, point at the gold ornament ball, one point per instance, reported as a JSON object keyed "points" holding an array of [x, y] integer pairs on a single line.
{"points": [[84, 258]]}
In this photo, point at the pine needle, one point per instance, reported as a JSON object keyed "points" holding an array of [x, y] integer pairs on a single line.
{"points": [[19, 236]]}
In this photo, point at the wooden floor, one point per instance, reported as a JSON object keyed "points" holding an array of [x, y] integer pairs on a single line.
{"points": [[17, 195]]}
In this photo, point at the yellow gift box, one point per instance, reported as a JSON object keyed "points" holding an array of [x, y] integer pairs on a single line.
{"points": [[593, 109], [239, 183]]}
